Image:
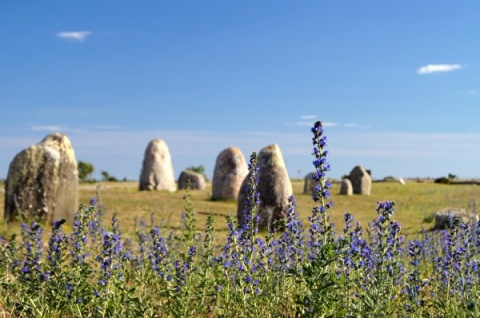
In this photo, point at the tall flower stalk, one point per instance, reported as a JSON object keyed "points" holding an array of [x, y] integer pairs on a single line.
{"points": [[321, 230], [249, 222], [319, 274]]}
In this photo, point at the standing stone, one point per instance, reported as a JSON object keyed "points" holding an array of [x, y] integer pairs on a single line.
{"points": [[42, 182], [346, 187], [157, 170], [309, 184], [361, 180], [197, 180], [228, 175], [274, 186]]}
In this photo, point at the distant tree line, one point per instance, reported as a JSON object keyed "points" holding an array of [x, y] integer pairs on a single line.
{"points": [[85, 171], [446, 180]]}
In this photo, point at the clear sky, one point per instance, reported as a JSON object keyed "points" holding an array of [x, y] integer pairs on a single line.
{"points": [[397, 83]]}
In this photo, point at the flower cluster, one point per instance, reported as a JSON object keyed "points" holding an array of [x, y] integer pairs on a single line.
{"points": [[321, 229], [31, 271]]}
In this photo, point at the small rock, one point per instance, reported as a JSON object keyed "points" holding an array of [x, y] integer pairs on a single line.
{"points": [[197, 180], [445, 217]]}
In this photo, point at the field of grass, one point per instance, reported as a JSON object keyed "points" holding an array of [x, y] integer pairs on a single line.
{"points": [[416, 201], [85, 270]]}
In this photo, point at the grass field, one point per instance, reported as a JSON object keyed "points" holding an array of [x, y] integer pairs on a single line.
{"points": [[416, 201], [89, 270]]}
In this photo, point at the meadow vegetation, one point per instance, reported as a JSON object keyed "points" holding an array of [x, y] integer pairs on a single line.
{"points": [[180, 254]]}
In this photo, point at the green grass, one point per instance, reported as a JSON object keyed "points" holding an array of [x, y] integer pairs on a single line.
{"points": [[416, 201]]}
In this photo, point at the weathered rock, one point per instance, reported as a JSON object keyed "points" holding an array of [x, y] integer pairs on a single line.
{"points": [[445, 217], [309, 184], [42, 182], [197, 180], [361, 180], [274, 186], [157, 170], [228, 175], [346, 187]]}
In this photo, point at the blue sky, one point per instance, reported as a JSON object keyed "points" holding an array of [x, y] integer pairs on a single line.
{"points": [[396, 82]]}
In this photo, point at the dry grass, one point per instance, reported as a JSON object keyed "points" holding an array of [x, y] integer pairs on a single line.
{"points": [[415, 202]]}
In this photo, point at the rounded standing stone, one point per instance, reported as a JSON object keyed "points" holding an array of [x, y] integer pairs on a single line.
{"points": [[157, 169], [309, 184], [228, 175], [346, 187], [274, 186], [361, 180]]}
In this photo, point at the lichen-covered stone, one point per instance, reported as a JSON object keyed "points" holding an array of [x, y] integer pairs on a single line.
{"points": [[157, 170], [42, 182], [228, 175], [197, 180], [361, 180], [274, 186]]}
